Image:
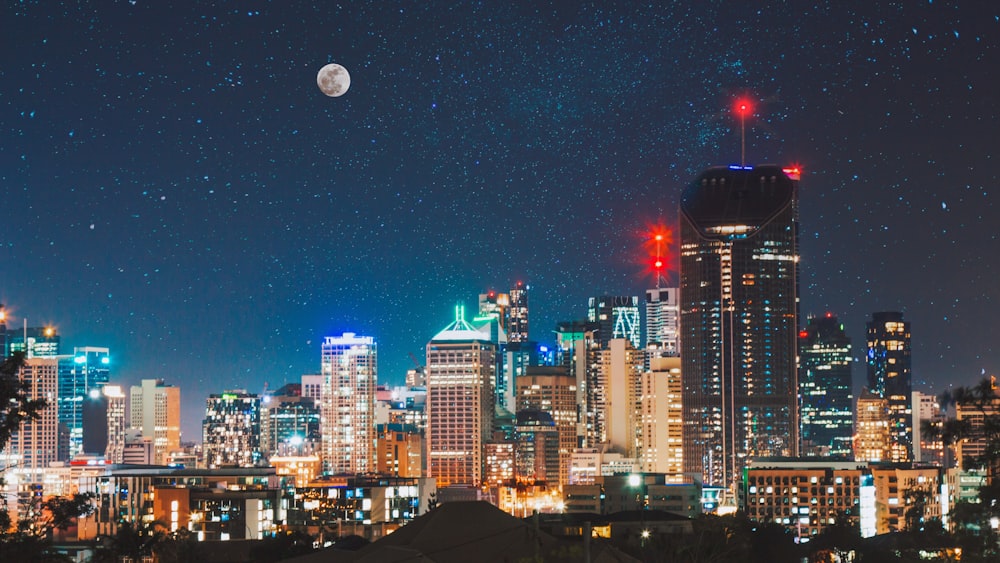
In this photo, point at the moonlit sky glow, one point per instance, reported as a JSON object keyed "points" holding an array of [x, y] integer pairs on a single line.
{"points": [[177, 188]]}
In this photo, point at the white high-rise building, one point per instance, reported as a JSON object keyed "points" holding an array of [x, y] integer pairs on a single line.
{"points": [[619, 390], [116, 423], [155, 409], [460, 367], [312, 387], [662, 314], [349, 368]]}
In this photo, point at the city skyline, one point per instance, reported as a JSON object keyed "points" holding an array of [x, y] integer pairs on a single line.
{"points": [[177, 189]]}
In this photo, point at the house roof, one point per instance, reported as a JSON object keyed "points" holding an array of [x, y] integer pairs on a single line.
{"points": [[458, 532]]}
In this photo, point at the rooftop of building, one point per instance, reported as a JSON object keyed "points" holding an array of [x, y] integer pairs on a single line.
{"points": [[468, 531], [745, 195]]}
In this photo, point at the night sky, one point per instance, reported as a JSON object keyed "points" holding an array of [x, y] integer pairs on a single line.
{"points": [[177, 188]]}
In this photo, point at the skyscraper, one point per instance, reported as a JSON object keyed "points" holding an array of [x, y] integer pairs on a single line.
{"points": [[739, 306], [492, 320], [827, 401], [88, 369], [536, 452], [662, 316], [517, 313], [873, 444], [619, 417], [231, 430], [350, 373], [290, 423], [116, 424], [927, 448], [33, 446], [495, 306], [662, 430], [155, 410], [552, 389], [889, 377], [579, 354], [617, 316], [460, 364]]}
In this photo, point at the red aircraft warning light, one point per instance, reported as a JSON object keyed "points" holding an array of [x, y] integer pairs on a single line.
{"points": [[743, 107], [793, 172]]}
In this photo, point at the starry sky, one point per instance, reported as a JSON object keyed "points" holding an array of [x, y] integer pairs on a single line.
{"points": [[176, 187]]}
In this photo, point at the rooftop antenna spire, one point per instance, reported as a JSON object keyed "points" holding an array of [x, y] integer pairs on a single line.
{"points": [[743, 108], [659, 259]]}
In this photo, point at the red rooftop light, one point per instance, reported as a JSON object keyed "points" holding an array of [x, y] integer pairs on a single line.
{"points": [[743, 107]]}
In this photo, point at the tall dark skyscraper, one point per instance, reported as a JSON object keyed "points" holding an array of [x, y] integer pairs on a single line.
{"points": [[739, 306], [889, 377], [827, 403]]}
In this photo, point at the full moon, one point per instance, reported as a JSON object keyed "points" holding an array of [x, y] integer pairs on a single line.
{"points": [[333, 80]]}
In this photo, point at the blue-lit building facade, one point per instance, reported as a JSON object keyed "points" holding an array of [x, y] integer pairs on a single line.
{"points": [[739, 308], [34, 341], [82, 377], [290, 423], [825, 392]]}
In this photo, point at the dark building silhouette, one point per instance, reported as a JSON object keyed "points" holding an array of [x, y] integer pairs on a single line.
{"points": [[826, 405], [889, 377], [739, 307]]}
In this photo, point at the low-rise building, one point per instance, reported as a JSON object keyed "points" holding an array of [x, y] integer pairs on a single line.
{"points": [[368, 506], [634, 491], [808, 495], [213, 504]]}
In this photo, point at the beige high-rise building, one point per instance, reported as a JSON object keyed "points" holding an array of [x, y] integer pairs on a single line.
{"points": [[621, 374], [33, 447], [347, 408], [552, 390], [155, 410], [399, 450], [873, 437], [926, 410], [976, 416], [460, 368], [661, 426], [895, 490]]}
